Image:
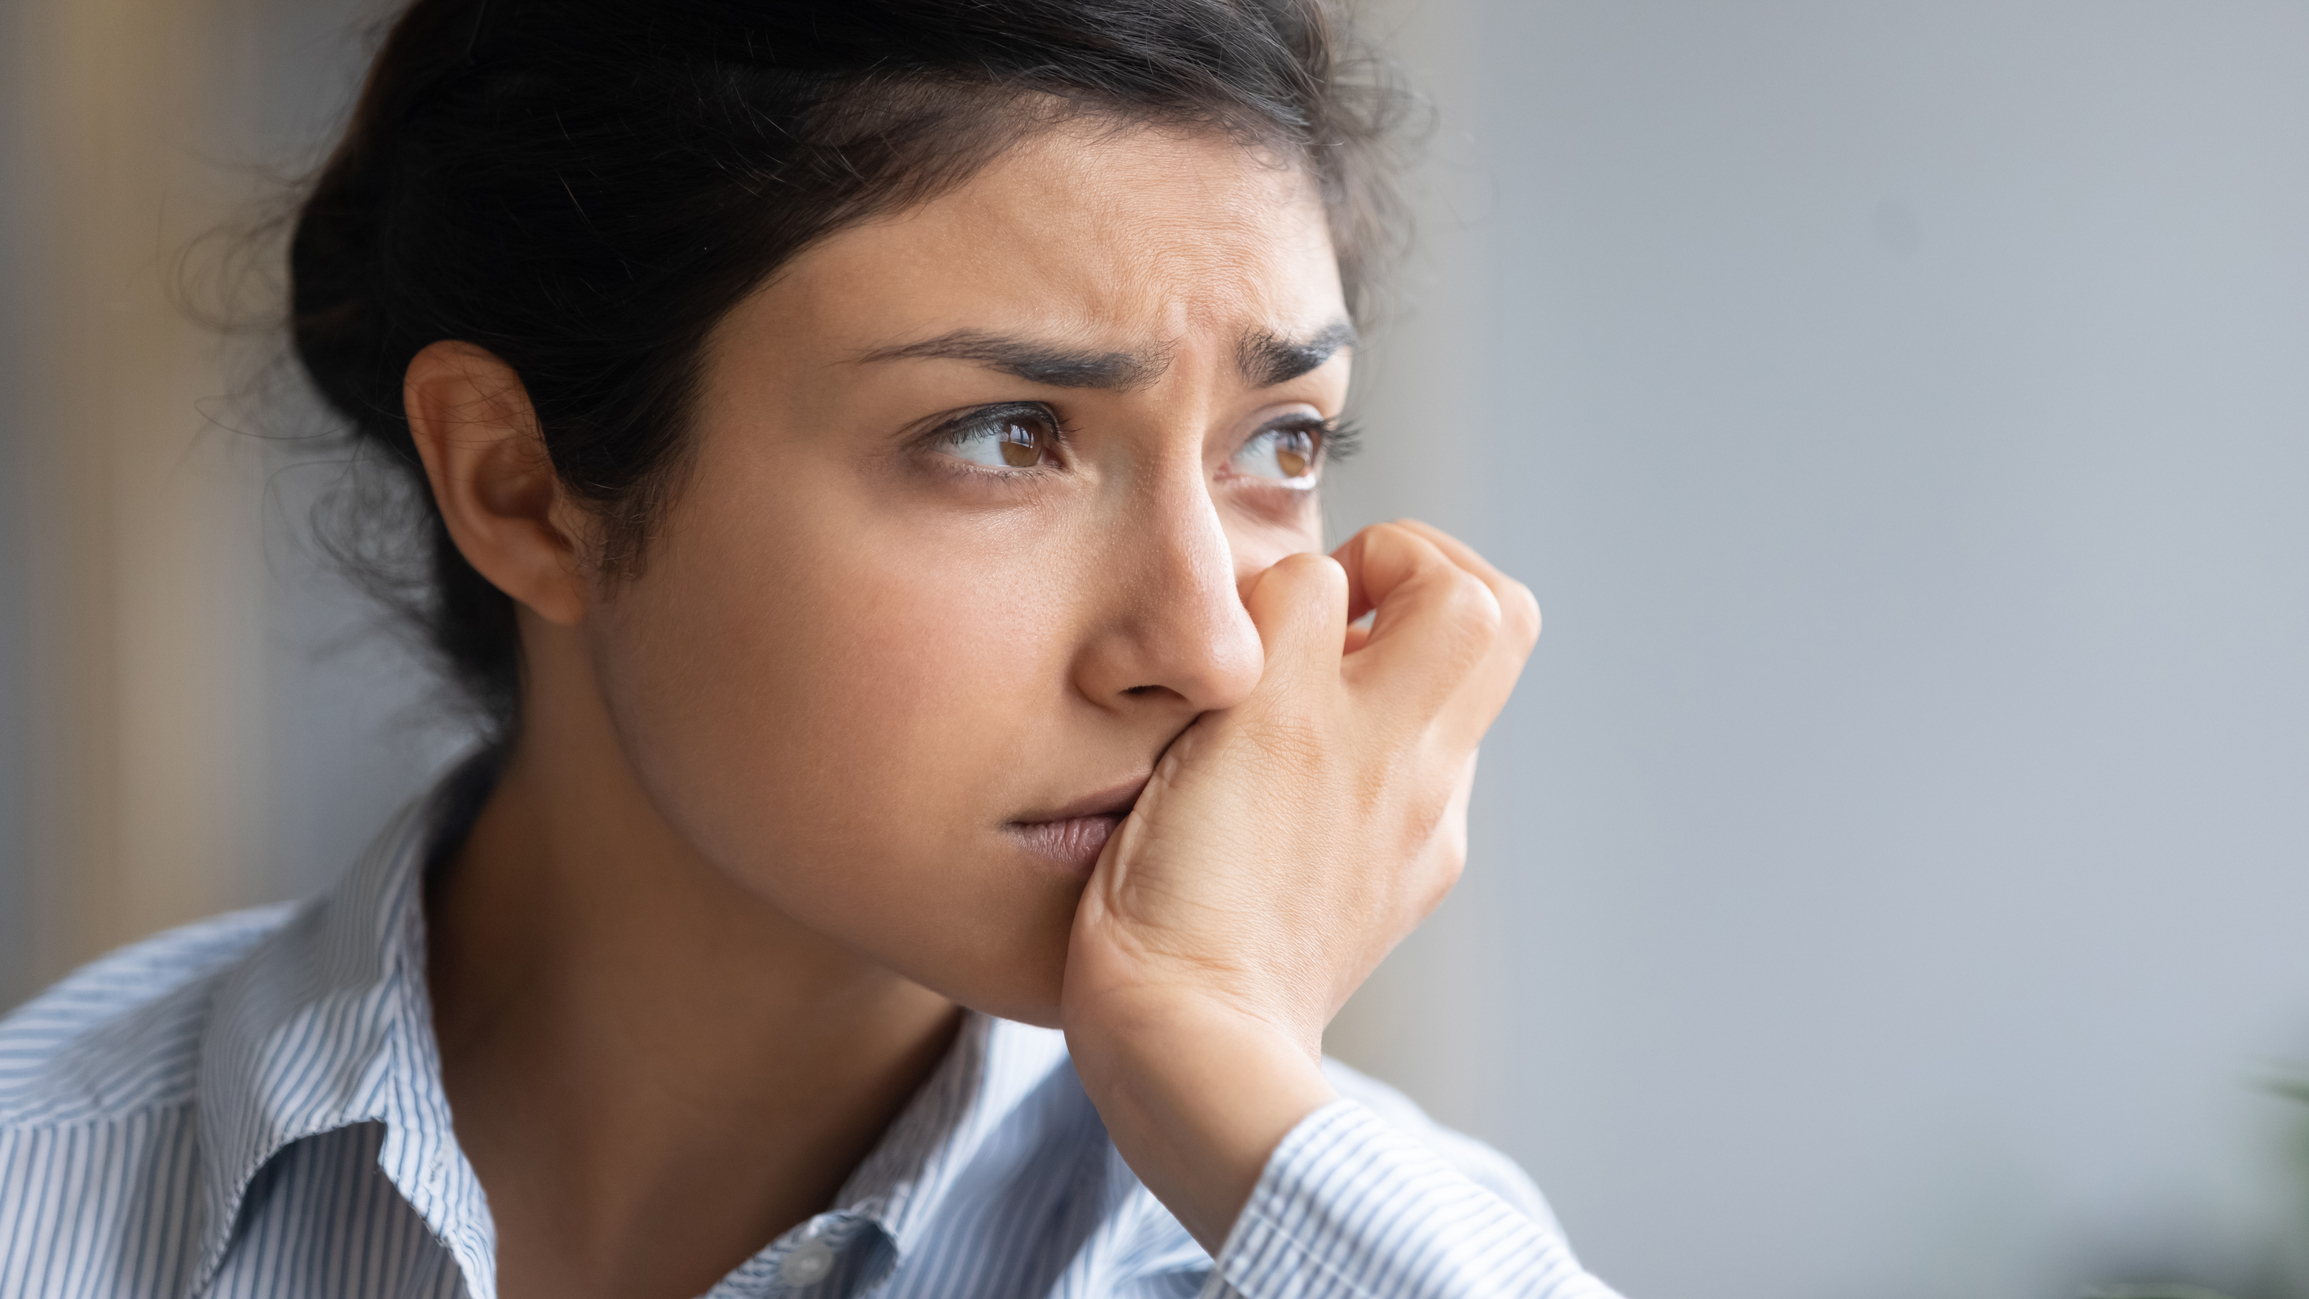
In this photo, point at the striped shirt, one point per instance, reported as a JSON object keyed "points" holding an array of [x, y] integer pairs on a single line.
{"points": [[251, 1108]]}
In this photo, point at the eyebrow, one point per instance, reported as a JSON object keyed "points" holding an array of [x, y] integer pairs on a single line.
{"points": [[1034, 362], [1267, 359]]}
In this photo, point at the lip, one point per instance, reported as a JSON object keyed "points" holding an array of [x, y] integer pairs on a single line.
{"points": [[1074, 834], [1115, 801]]}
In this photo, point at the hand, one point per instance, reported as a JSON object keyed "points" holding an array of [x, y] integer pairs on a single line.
{"points": [[1281, 849]]}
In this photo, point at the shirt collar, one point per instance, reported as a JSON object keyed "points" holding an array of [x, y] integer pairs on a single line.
{"points": [[329, 1024], [980, 1097], [977, 1094]]}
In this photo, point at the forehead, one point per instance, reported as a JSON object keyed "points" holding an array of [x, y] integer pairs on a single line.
{"points": [[1123, 235]]}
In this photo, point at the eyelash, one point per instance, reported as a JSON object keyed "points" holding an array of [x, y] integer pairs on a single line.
{"points": [[1342, 438], [950, 433], [1337, 438]]}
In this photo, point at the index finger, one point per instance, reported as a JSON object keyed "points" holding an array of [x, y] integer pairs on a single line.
{"points": [[1518, 608], [1485, 690], [1433, 621]]}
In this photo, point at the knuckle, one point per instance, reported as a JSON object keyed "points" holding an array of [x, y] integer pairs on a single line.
{"points": [[1470, 606], [1519, 615], [1401, 545], [1307, 563], [1435, 837], [1390, 531], [1437, 881], [1312, 577]]}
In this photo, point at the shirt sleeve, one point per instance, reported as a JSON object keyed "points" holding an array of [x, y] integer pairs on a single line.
{"points": [[1349, 1207]]}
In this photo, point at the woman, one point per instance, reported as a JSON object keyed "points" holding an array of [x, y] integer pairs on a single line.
{"points": [[868, 458]]}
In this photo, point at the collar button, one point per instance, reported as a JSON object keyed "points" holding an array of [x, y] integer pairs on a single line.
{"points": [[806, 1264]]}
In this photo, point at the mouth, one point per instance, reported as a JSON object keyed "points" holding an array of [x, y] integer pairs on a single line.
{"points": [[1075, 834]]}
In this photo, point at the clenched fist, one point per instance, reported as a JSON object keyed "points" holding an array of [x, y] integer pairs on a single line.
{"points": [[1282, 848]]}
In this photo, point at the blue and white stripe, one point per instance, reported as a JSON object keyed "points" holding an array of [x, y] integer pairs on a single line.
{"points": [[251, 1108]]}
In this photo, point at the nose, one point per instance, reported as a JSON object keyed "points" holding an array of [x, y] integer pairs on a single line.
{"points": [[1172, 634]]}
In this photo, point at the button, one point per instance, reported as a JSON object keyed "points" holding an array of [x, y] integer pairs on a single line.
{"points": [[806, 1263], [436, 1164]]}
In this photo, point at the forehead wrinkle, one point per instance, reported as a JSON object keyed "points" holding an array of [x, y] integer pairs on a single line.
{"points": [[1036, 362]]}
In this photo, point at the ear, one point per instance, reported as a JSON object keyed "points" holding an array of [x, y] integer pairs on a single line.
{"points": [[485, 457]]}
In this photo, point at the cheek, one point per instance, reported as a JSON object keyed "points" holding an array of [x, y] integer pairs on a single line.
{"points": [[1258, 542], [833, 708]]}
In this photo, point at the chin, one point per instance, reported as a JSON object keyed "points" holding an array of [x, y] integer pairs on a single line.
{"points": [[1025, 988]]}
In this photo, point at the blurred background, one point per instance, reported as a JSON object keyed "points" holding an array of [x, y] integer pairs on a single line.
{"points": [[1892, 878]]}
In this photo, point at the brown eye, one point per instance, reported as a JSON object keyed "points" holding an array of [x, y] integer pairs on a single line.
{"points": [[1021, 446], [1288, 454], [1010, 439], [1295, 453]]}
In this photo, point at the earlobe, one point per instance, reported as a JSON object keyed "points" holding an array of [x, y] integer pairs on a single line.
{"points": [[486, 460]]}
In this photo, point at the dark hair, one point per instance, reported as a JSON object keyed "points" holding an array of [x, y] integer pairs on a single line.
{"points": [[586, 187]]}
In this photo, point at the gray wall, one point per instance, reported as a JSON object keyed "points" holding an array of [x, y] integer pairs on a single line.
{"points": [[356, 728], [1891, 879]]}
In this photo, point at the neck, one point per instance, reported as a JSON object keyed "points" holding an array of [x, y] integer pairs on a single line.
{"points": [[653, 1071]]}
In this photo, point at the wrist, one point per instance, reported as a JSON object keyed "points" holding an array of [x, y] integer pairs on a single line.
{"points": [[1196, 1096]]}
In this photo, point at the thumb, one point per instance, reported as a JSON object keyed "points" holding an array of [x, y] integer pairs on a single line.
{"points": [[1300, 608]]}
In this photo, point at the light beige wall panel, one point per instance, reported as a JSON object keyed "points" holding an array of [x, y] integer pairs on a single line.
{"points": [[147, 572]]}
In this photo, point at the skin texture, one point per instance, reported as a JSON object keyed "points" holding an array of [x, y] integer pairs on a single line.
{"points": [[809, 780]]}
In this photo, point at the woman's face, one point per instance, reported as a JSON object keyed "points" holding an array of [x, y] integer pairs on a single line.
{"points": [[958, 551]]}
